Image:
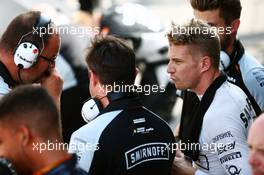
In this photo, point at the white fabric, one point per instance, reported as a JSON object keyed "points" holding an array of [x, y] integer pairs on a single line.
{"points": [[4, 89], [225, 123], [88, 136], [253, 76]]}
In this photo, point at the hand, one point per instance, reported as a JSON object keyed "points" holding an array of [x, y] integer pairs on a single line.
{"points": [[53, 84], [181, 166]]}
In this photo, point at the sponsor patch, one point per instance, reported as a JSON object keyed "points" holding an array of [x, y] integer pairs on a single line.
{"points": [[222, 136], [233, 170], [146, 152], [231, 156], [227, 147]]}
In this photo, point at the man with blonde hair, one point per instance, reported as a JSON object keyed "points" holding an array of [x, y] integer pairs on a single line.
{"points": [[215, 136]]}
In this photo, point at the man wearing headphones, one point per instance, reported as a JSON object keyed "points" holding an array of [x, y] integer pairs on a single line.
{"points": [[242, 68], [31, 134], [28, 49], [122, 136]]}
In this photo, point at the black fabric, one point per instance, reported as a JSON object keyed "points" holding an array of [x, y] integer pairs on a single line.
{"points": [[4, 73], [71, 104], [72, 99], [130, 102], [119, 137], [233, 71], [6, 167], [190, 127]]}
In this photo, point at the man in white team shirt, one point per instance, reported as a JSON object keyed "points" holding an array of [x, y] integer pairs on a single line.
{"points": [[224, 113]]}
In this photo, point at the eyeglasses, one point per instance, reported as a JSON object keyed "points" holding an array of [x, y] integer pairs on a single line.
{"points": [[51, 61]]}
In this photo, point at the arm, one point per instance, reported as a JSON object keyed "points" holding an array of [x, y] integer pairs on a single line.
{"points": [[254, 81], [82, 148], [53, 84]]}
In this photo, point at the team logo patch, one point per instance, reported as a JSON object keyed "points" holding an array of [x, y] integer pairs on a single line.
{"points": [[146, 152], [231, 156], [233, 170]]}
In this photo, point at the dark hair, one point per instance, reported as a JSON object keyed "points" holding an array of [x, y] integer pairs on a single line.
{"points": [[112, 60], [88, 5], [19, 26], [198, 35], [229, 9], [34, 106]]}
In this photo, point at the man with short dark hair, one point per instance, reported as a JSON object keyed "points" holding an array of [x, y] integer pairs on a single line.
{"points": [[242, 68], [31, 133], [215, 136], [28, 49], [122, 136]]}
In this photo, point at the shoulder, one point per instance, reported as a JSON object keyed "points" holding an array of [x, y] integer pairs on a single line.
{"points": [[228, 96], [4, 89], [96, 126], [229, 103], [248, 63]]}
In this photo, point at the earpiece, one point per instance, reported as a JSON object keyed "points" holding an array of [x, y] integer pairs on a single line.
{"points": [[26, 53], [93, 107], [224, 61]]}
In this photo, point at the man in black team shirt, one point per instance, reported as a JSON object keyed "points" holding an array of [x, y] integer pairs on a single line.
{"points": [[125, 137]]}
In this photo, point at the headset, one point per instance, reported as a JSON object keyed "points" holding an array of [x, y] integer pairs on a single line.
{"points": [[224, 61], [93, 107], [26, 53]]}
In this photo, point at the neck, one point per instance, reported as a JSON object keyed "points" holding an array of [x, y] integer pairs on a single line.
{"points": [[206, 80], [48, 157], [230, 47], [105, 102]]}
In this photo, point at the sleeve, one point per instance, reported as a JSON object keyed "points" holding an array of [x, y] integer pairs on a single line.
{"points": [[199, 172], [232, 151], [254, 81], [4, 89], [83, 148]]}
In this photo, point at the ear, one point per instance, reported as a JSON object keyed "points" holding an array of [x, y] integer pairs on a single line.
{"points": [[235, 25], [24, 135], [136, 71], [206, 63], [94, 78]]}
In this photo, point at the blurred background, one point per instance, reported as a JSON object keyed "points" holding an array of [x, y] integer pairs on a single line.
{"points": [[154, 16], [251, 31]]}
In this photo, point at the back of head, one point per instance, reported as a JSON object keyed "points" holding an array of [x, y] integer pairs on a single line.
{"points": [[112, 60], [19, 27], [88, 5], [31, 106], [199, 36], [229, 9]]}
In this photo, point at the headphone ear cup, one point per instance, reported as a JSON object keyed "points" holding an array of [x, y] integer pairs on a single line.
{"points": [[26, 55], [91, 109], [224, 61]]}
